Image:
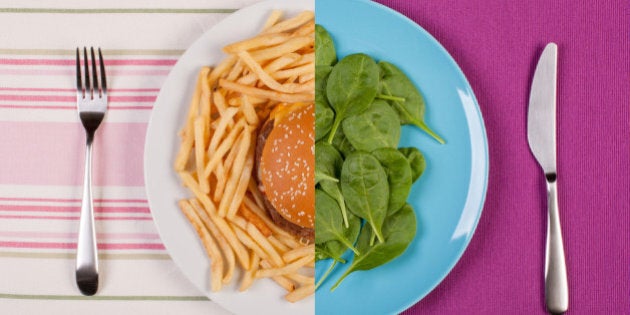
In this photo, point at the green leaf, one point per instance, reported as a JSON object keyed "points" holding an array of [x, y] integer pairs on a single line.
{"points": [[398, 172], [328, 221], [365, 189], [399, 230], [411, 111], [376, 127], [351, 87]]}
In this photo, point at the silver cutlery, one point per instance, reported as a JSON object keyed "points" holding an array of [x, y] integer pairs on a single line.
{"points": [[91, 105], [541, 134]]}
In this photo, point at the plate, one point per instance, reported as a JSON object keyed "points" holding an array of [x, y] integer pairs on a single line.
{"points": [[448, 198], [163, 186]]}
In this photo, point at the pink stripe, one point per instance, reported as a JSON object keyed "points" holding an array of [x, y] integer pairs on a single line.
{"points": [[72, 62], [61, 98], [114, 72], [25, 89], [60, 107], [109, 236], [74, 218], [71, 200], [77, 209], [74, 245], [52, 153]]}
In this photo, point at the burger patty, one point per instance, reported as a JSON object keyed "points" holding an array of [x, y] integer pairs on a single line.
{"points": [[303, 232]]}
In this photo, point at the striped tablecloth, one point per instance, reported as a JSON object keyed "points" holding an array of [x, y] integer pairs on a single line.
{"points": [[42, 153]]}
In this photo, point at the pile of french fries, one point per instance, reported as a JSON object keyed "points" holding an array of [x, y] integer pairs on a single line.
{"points": [[216, 157]]}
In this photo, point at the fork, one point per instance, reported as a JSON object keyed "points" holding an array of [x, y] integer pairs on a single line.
{"points": [[91, 105]]}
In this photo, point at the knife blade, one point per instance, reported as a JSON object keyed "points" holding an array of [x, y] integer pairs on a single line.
{"points": [[541, 118], [541, 135]]}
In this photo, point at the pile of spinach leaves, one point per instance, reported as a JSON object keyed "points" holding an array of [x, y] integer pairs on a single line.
{"points": [[362, 178]]}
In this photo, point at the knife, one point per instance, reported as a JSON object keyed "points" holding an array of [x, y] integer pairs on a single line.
{"points": [[541, 134]]}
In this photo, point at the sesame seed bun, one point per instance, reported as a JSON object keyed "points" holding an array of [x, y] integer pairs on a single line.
{"points": [[285, 160]]}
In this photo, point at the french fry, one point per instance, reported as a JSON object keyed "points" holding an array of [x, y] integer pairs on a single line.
{"points": [[292, 45], [221, 70], [227, 164], [268, 94], [299, 252], [275, 228], [253, 190], [220, 130], [265, 245], [273, 18], [249, 112], [211, 247], [228, 253], [282, 281], [223, 148], [277, 244], [235, 174], [206, 97], [300, 293], [184, 150], [249, 242], [256, 42], [288, 268], [200, 148], [308, 68], [219, 102], [304, 59], [305, 29], [248, 277], [227, 106], [252, 218], [265, 78], [236, 71], [300, 278], [241, 186], [221, 224], [291, 23]]}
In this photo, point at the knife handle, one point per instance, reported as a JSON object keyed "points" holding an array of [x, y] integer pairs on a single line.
{"points": [[556, 286]]}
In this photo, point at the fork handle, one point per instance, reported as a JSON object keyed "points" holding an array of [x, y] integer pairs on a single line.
{"points": [[556, 286], [87, 258]]}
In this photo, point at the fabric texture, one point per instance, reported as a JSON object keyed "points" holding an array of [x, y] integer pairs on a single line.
{"points": [[42, 153], [497, 44]]}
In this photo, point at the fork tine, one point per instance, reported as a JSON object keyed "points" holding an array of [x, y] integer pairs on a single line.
{"points": [[88, 86], [103, 78], [79, 84], [94, 74]]}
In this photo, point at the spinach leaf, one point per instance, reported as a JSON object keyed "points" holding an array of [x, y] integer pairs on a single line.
{"points": [[324, 115], [398, 176], [416, 161], [331, 249], [328, 221], [335, 249], [399, 230], [365, 189], [410, 106], [325, 54], [376, 127], [328, 164], [341, 143], [323, 119], [351, 87]]}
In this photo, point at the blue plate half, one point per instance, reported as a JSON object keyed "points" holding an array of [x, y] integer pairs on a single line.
{"points": [[448, 198]]}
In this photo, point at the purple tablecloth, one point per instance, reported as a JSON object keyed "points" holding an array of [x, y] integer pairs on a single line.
{"points": [[497, 44]]}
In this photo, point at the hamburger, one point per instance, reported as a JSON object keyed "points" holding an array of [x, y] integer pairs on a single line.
{"points": [[285, 165]]}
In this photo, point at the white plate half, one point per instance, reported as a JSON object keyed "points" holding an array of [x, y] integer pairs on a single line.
{"points": [[163, 186]]}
